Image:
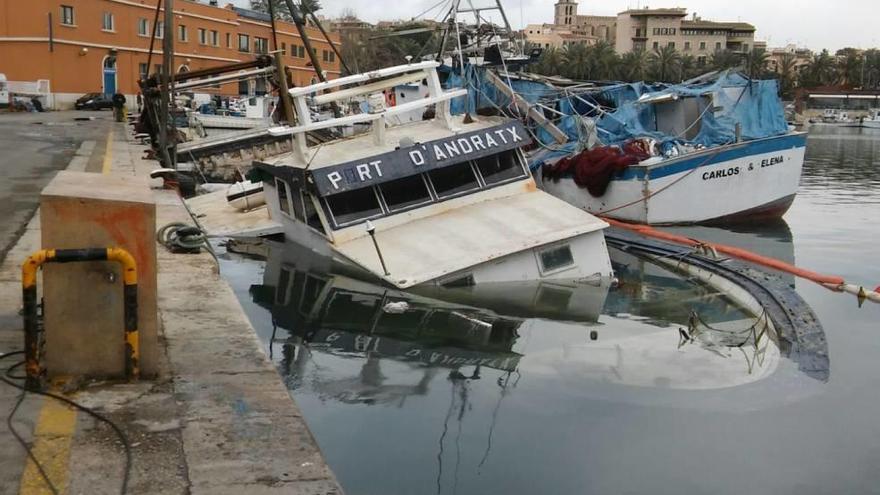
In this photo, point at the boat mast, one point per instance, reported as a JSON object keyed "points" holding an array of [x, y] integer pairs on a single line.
{"points": [[167, 145]]}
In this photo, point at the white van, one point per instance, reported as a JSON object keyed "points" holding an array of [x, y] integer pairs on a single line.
{"points": [[4, 91]]}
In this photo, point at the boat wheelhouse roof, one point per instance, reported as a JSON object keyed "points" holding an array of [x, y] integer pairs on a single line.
{"points": [[363, 146], [459, 238]]}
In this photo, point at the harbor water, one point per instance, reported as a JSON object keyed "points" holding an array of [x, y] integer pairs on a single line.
{"points": [[591, 389]]}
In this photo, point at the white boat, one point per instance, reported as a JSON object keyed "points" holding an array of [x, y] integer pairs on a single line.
{"points": [[443, 201], [872, 121], [246, 195], [712, 153], [229, 122]]}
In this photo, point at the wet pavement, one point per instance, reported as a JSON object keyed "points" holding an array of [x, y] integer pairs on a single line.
{"points": [[594, 391], [33, 146]]}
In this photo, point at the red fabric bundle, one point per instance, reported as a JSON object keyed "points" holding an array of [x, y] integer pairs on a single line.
{"points": [[594, 168]]}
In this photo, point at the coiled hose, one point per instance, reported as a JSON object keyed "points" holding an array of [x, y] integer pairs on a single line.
{"points": [[180, 237]]}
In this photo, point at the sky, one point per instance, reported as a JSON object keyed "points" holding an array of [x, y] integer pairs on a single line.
{"points": [[815, 24]]}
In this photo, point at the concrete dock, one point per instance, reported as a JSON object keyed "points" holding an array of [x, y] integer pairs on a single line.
{"points": [[217, 420]]}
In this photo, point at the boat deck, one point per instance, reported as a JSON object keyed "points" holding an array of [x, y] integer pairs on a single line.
{"points": [[432, 247]]}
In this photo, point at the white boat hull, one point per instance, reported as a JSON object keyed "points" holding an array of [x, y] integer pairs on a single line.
{"points": [[746, 180], [589, 253], [246, 195], [228, 122]]}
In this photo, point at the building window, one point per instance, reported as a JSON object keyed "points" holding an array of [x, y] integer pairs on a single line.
{"points": [[143, 27], [203, 36], [160, 29], [300, 52], [261, 45], [671, 44], [215, 38], [745, 47], [718, 46], [687, 45], [244, 43], [181, 33], [108, 22], [67, 15], [228, 40], [328, 56], [142, 71], [656, 45], [284, 48], [702, 45]]}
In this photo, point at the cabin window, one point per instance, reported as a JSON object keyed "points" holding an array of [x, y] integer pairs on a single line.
{"points": [[464, 281], [283, 288], [402, 193], [556, 258], [500, 168], [311, 291], [454, 179], [352, 206], [312, 218], [283, 196]]}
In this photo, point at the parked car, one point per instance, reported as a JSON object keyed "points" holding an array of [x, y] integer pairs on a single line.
{"points": [[94, 101]]}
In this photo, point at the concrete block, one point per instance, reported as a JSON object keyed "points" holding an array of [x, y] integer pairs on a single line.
{"points": [[83, 301]]}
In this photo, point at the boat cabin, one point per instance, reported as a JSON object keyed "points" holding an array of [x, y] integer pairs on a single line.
{"points": [[434, 200]]}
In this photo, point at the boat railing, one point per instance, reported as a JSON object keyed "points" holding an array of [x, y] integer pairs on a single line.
{"points": [[377, 82]]}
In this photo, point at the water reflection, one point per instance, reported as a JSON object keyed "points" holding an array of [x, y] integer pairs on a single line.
{"points": [[628, 412]]}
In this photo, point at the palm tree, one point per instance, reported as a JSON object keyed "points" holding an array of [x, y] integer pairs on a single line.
{"points": [[551, 62], [605, 60], [688, 67], [634, 65], [787, 76], [665, 63], [578, 62], [872, 68], [755, 63], [849, 66], [725, 59], [820, 71]]}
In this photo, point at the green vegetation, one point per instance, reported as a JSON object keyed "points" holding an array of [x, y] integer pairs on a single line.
{"points": [[848, 67]]}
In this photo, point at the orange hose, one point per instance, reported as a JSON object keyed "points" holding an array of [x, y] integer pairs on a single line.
{"points": [[730, 251]]}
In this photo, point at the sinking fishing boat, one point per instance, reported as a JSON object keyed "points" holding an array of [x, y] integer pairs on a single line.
{"points": [[715, 149], [447, 200]]}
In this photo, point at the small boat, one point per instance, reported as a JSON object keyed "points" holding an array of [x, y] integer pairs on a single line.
{"points": [[246, 195], [446, 201], [872, 121], [716, 150]]}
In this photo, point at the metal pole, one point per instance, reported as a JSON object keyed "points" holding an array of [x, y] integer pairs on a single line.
{"points": [[307, 43], [169, 146], [280, 70], [283, 93], [332, 45], [271, 5]]}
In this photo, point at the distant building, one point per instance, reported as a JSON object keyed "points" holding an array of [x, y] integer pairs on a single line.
{"points": [[801, 56], [85, 46], [553, 36], [652, 29], [601, 27]]}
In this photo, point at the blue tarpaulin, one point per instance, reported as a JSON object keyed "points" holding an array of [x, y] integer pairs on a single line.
{"points": [[629, 110]]}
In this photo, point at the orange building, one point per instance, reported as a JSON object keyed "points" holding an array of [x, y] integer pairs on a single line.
{"points": [[84, 46]]}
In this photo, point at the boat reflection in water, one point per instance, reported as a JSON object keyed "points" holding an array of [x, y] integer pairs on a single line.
{"points": [[642, 340]]}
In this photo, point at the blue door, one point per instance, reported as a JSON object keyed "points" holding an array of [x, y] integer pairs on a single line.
{"points": [[109, 81]]}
